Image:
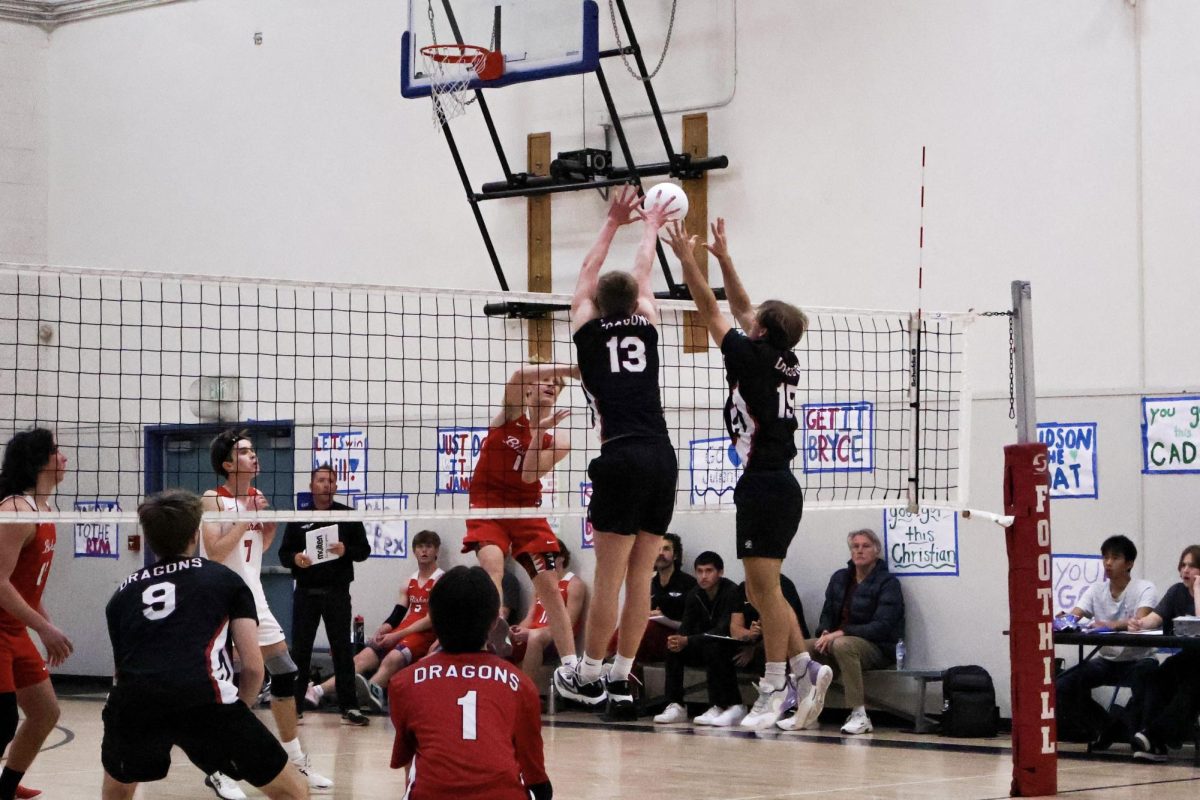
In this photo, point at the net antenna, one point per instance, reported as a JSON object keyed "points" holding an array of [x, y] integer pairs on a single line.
{"points": [[452, 67]]}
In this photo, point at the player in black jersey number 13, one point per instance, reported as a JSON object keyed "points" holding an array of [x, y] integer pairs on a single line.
{"points": [[763, 376], [614, 321]]}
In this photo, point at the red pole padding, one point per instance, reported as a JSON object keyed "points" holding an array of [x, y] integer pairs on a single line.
{"points": [[1031, 623]]}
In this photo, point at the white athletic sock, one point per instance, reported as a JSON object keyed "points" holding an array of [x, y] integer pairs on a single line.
{"points": [[799, 663], [570, 661], [293, 749], [620, 669], [775, 674], [859, 710], [589, 669]]}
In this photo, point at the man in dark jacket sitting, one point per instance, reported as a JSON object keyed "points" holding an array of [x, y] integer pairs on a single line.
{"points": [[861, 621]]}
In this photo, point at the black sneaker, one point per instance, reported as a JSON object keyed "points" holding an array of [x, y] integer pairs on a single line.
{"points": [[621, 707], [1146, 750], [568, 685], [355, 717]]}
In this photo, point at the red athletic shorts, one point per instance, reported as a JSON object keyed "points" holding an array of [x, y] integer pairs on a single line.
{"points": [[417, 643], [521, 535], [21, 665]]}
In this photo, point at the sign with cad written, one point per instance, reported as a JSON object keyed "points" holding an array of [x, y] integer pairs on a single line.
{"points": [[715, 469], [1071, 574], [1170, 435], [387, 539], [458, 451], [924, 543], [587, 537], [346, 452], [838, 437], [1071, 452], [97, 539]]}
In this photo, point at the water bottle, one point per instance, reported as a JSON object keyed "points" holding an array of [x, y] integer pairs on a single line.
{"points": [[900, 654], [360, 638]]}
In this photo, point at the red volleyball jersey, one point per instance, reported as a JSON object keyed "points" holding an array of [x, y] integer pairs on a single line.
{"points": [[497, 482], [471, 725], [418, 597], [31, 570], [540, 618]]}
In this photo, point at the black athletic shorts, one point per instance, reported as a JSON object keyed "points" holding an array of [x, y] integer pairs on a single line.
{"points": [[769, 505], [633, 486], [138, 736]]}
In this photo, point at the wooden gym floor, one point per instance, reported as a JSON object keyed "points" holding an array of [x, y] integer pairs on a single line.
{"points": [[588, 760]]}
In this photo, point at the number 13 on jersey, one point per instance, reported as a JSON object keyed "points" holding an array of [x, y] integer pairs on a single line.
{"points": [[626, 354]]}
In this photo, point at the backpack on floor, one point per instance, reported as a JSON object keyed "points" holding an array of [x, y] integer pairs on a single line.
{"points": [[969, 702]]}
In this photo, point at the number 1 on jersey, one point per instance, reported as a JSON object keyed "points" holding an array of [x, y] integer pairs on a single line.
{"points": [[467, 701]]}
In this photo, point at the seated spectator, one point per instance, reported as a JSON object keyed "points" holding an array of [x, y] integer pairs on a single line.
{"points": [[1108, 605], [532, 641], [1170, 695], [404, 637], [707, 609], [668, 590], [861, 621], [745, 625]]}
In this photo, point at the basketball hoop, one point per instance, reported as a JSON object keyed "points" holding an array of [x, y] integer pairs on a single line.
{"points": [[451, 68]]}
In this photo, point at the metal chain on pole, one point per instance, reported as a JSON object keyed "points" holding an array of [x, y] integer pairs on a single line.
{"points": [[1012, 355], [612, 13]]}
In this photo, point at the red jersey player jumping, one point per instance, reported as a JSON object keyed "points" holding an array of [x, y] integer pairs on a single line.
{"points": [[32, 469], [468, 724], [521, 447]]}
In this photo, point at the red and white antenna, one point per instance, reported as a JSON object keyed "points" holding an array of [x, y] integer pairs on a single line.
{"points": [[914, 364]]}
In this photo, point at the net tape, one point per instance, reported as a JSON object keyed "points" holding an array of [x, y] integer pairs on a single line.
{"points": [[395, 387]]}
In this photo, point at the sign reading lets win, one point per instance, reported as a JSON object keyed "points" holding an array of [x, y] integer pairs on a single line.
{"points": [[1071, 451], [839, 437], [346, 452], [921, 543], [1170, 434]]}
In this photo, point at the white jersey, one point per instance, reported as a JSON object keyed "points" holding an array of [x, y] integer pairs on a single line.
{"points": [[246, 560]]}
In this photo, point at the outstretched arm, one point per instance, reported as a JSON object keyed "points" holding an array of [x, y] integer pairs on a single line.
{"points": [[513, 403], [739, 301], [684, 247], [654, 218], [583, 307]]}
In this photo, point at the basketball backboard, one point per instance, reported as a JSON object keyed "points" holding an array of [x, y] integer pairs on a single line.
{"points": [[539, 38]]}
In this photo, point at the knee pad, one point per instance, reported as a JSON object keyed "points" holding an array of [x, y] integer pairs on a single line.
{"points": [[283, 675]]}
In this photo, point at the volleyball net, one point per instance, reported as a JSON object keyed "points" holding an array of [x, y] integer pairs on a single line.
{"points": [[394, 388]]}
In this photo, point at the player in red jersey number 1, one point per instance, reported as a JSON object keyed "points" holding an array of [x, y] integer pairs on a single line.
{"points": [[468, 723]]}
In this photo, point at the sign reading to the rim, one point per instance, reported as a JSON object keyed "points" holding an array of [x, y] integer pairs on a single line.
{"points": [[1170, 434], [839, 437], [96, 539]]}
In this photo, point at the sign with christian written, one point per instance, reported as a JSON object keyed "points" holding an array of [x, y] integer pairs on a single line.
{"points": [[924, 543], [387, 539], [715, 469], [1170, 435], [838, 437], [346, 452], [587, 538], [97, 539], [458, 451], [1071, 451]]}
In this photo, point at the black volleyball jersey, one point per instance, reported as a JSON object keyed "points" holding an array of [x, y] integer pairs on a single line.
{"points": [[618, 366], [169, 627], [760, 413]]}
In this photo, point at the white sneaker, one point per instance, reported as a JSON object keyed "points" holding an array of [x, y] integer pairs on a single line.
{"points": [[770, 705], [730, 717], [312, 697], [378, 697], [316, 781], [671, 714], [225, 786], [858, 722], [708, 716], [816, 698]]}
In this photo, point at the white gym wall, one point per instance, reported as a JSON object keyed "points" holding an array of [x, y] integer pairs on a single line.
{"points": [[1061, 150]]}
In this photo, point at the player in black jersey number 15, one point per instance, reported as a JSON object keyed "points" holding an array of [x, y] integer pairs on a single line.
{"points": [[614, 325], [760, 414]]}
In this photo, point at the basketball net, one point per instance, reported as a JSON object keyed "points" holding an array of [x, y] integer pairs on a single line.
{"points": [[450, 82]]}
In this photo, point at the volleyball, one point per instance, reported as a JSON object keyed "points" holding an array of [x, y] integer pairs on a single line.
{"points": [[667, 192]]}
